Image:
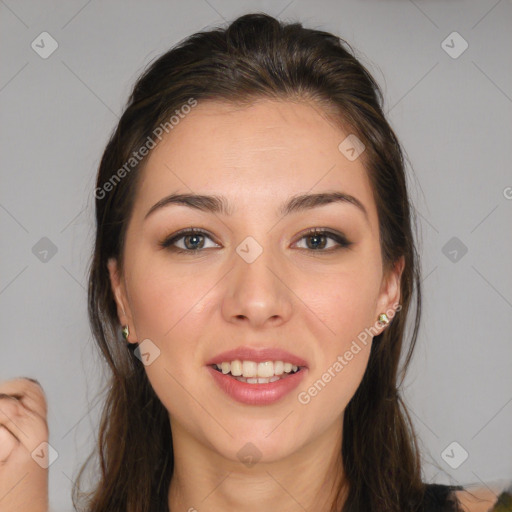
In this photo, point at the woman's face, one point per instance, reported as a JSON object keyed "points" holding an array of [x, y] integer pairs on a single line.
{"points": [[255, 280]]}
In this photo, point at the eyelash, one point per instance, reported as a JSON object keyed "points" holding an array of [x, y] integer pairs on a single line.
{"points": [[168, 242]]}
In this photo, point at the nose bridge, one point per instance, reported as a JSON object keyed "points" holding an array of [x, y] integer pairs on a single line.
{"points": [[255, 288]]}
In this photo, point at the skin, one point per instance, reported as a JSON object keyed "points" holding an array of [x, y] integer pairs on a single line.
{"points": [[480, 499], [23, 427], [299, 444], [311, 303], [24, 485]]}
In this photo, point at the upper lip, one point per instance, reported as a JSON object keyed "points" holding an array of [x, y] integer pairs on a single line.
{"points": [[258, 355]]}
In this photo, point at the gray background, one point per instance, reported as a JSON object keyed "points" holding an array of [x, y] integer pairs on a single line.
{"points": [[453, 116]]}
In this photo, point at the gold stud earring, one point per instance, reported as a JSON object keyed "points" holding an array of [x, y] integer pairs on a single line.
{"points": [[383, 319], [126, 332]]}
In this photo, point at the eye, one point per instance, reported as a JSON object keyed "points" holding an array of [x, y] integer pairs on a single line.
{"points": [[319, 237], [193, 241]]}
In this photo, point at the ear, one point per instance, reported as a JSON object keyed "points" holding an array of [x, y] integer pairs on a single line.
{"points": [[119, 292], [389, 297]]}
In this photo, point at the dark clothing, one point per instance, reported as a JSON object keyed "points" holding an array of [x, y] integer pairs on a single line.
{"points": [[441, 498]]}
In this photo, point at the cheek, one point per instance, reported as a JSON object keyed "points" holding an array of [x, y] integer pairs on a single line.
{"points": [[166, 307], [175, 308], [164, 301], [343, 303], [169, 308], [342, 356], [329, 390]]}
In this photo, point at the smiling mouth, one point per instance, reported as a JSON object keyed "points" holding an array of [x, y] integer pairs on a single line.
{"points": [[251, 372]]}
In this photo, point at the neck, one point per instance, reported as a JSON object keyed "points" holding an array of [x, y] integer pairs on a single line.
{"points": [[305, 480]]}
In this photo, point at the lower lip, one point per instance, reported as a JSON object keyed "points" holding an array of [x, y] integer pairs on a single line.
{"points": [[257, 394]]}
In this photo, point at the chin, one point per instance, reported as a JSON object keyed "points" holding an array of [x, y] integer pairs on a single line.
{"points": [[252, 447]]}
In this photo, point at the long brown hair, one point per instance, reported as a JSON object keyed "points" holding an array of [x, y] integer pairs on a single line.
{"points": [[256, 57]]}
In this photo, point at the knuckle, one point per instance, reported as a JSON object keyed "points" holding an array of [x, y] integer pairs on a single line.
{"points": [[29, 385], [9, 408]]}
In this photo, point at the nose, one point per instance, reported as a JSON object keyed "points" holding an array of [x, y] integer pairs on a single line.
{"points": [[257, 293]]}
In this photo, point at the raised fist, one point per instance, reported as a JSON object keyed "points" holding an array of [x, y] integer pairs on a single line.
{"points": [[23, 449]]}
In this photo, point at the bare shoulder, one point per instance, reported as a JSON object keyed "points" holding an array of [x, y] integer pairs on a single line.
{"points": [[478, 499]]}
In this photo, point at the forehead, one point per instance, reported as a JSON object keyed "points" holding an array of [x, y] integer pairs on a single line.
{"points": [[264, 152]]}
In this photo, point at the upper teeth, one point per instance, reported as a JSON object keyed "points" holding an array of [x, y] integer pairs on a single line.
{"points": [[253, 369]]}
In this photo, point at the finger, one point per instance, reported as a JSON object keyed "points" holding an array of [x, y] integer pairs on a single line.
{"points": [[26, 426], [7, 444], [28, 392]]}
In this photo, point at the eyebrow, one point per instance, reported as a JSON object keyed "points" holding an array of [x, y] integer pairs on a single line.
{"points": [[220, 204]]}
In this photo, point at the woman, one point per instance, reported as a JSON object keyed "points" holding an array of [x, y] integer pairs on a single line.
{"points": [[254, 247]]}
